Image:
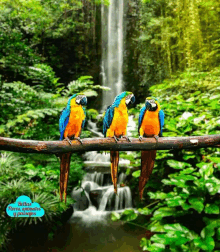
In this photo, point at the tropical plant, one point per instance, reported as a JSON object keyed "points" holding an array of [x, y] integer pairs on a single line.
{"points": [[183, 214]]}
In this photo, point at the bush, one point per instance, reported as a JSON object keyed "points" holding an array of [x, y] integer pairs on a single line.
{"points": [[181, 201]]}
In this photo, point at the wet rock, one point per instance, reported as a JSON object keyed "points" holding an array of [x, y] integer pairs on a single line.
{"points": [[96, 196], [82, 201]]}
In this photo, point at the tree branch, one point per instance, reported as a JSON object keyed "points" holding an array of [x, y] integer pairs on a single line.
{"points": [[101, 144]]}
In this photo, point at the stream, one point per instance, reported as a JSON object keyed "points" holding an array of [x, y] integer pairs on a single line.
{"points": [[90, 228]]}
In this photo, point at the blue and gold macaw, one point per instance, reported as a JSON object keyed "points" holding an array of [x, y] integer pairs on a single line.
{"points": [[71, 123], [150, 124], [115, 125]]}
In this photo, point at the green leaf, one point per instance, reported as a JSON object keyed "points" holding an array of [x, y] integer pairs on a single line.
{"points": [[115, 216], [157, 195], [185, 206], [207, 231], [90, 93], [129, 215], [188, 156], [128, 171], [205, 244], [196, 203], [211, 209], [176, 227], [29, 166], [177, 164], [215, 159], [161, 238], [144, 243], [187, 171], [175, 201], [31, 173], [156, 247], [213, 185], [156, 226], [206, 169], [218, 233], [136, 174], [164, 212], [212, 222], [145, 211]]}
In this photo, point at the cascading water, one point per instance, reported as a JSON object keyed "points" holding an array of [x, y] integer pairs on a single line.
{"points": [[112, 49], [102, 193], [122, 201]]}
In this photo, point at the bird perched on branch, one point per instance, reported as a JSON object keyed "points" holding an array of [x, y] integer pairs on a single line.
{"points": [[71, 123], [150, 124], [115, 125]]}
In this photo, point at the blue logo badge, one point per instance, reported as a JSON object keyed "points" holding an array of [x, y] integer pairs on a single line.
{"points": [[23, 207]]}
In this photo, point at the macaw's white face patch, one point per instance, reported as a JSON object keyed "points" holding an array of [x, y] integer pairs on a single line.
{"points": [[81, 99], [130, 99]]}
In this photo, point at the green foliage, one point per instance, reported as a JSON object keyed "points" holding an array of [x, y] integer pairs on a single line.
{"points": [[43, 34], [83, 85], [24, 110], [92, 114], [181, 202], [37, 177], [43, 76], [166, 37]]}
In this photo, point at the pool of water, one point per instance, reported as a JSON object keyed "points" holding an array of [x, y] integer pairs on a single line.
{"points": [[93, 231]]}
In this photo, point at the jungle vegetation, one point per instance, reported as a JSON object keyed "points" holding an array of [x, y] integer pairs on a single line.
{"points": [[51, 49]]}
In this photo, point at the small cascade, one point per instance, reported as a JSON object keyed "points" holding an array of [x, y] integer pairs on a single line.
{"points": [[94, 178], [102, 194], [122, 178], [93, 128], [122, 200]]}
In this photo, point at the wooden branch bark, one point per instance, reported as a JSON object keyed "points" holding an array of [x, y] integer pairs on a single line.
{"points": [[101, 144]]}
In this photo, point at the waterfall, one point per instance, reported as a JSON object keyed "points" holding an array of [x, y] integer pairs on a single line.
{"points": [[122, 200], [102, 193], [112, 50]]}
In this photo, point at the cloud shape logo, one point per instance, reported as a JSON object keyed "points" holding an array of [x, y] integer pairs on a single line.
{"points": [[23, 207]]}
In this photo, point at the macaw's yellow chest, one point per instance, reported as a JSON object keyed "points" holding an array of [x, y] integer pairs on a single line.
{"points": [[119, 123], [151, 124], [74, 126]]}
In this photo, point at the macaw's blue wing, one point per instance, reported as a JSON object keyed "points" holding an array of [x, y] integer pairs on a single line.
{"points": [[141, 116], [64, 119], [109, 114], [161, 119], [84, 121]]}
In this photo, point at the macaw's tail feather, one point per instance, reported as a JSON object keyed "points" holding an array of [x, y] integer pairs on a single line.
{"points": [[114, 167], [64, 173], [147, 165]]}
